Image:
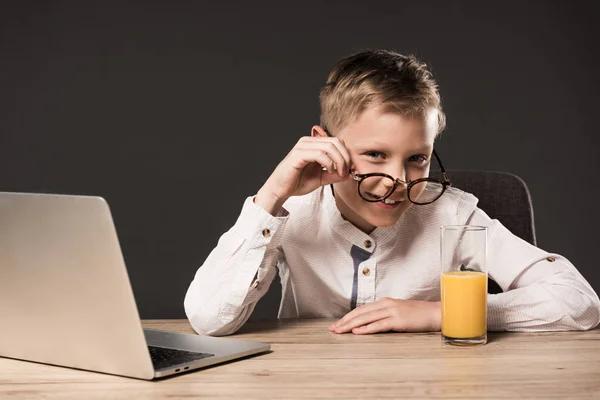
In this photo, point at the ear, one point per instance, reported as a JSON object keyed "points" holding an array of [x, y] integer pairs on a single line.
{"points": [[317, 131]]}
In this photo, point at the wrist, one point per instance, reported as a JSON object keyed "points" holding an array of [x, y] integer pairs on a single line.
{"points": [[436, 316], [268, 201]]}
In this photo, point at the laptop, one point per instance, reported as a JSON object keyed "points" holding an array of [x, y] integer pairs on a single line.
{"points": [[66, 299]]}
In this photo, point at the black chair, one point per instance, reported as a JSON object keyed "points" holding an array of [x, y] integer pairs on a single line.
{"points": [[502, 196]]}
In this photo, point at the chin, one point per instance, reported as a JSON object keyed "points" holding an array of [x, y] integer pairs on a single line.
{"points": [[382, 222]]}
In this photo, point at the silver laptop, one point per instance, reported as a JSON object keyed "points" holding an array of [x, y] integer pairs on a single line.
{"points": [[65, 296]]}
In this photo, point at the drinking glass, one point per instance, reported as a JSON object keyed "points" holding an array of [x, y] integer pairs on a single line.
{"points": [[464, 281]]}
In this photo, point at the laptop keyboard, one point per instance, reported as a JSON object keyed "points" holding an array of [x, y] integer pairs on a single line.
{"points": [[163, 357]]}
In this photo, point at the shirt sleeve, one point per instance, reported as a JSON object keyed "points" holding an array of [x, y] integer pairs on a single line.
{"points": [[541, 291], [237, 273]]}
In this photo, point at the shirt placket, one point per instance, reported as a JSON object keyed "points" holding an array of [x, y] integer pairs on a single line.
{"points": [[366, 276]]}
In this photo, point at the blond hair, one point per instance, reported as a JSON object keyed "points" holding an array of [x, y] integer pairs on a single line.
{"points": [[399, 83]]}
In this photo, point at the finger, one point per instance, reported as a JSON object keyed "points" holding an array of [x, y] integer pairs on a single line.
{"points": [[383, 325], [332, 151], [303, 157], [362, 320], [327, 179], [352, 314], [341, 146], [310, 153], [367, 308], [331, 146], [344, 319]]}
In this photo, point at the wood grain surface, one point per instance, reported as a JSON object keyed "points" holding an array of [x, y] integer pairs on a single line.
{"points": [[308, 361]]}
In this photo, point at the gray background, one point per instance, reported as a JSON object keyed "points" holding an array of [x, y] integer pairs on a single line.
{"points": [[176, 111]]}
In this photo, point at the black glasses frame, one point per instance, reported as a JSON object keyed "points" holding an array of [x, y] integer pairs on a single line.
{"points": [[446, 183], [409, 184]]}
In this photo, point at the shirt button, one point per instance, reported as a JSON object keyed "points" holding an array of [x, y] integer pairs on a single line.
{"points": [[550, 259], [266, 232], [368, 244], [366, 271]]}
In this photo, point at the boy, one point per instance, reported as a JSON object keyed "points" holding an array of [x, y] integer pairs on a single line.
{"points": [[365, 248]]}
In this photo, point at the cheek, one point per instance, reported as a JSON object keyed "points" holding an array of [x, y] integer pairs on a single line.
{"points": [[407, 204], [416, 191], [363, 167], [348, 191]]}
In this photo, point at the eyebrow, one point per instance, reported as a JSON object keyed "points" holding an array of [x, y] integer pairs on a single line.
{"points": [[379, 146]]}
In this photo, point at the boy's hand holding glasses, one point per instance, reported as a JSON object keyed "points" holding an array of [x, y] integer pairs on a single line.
{"points": [[313, 162]]}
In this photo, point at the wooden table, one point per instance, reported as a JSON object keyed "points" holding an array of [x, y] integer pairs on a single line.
{"points": [[308, 361]]}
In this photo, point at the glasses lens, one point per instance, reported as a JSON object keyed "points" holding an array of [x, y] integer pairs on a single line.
{"points": [[425, 192], [375, 188]]}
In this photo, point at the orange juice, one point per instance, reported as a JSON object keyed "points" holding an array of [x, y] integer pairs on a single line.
{"points": [[464, 304]]}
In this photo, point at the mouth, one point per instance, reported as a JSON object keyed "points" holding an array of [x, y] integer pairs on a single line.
{"points": [[388, 206], [387, 203]]}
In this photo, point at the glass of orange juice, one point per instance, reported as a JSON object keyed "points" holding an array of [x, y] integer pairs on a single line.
{"points": [[463, 284]]}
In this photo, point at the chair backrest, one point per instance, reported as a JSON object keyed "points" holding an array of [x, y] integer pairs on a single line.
{"points": [[502, 196]]}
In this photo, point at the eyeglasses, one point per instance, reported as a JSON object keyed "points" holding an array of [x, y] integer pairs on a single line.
{"points": [[372, 187], [377, 187]]}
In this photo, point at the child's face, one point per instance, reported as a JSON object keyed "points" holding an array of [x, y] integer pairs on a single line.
{"points": [[386, 142]]}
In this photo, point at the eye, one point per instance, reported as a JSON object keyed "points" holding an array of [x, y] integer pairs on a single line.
{"points": [[418, 158], [375, 155]]}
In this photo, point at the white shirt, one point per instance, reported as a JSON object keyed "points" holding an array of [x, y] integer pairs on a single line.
{"points": [[328, 266]]}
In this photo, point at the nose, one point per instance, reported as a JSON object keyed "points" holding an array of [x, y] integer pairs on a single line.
{"points": [[398, 173], [388, 183]]}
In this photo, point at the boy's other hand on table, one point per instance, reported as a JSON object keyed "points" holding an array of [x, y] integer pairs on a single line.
{"points": [[389, 314]]}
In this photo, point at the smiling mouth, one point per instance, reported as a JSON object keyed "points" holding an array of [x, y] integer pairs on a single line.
{"points": [[386, 201], [372, 196]]}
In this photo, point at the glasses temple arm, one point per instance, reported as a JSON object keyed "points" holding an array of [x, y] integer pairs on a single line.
{"points": [[437, 158]]}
